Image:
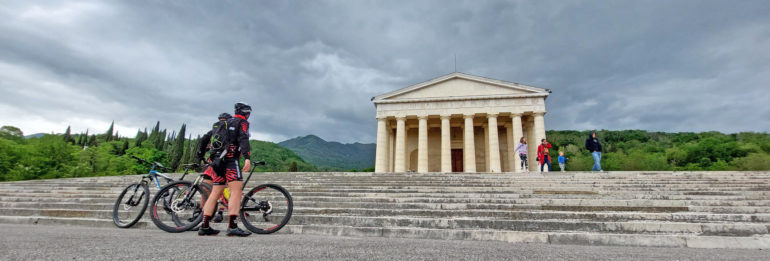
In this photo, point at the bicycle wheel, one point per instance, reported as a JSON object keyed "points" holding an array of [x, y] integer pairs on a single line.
{"points": [[130, 205], [266, 208], [177, 206]]}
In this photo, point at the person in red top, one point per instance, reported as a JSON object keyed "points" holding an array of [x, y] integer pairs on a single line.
{"points": [[543, 154]]}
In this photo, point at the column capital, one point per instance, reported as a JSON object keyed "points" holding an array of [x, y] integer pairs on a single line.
{"points": [[492, 115], [422, 117], [539, 113], [401, 118], [469, 116], [383, 118], [515, 114], [445, 116]]}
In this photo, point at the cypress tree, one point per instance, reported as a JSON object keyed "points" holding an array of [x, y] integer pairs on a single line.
{"points": [[140, 137], [186, 155], [154, 135], [108, 134], [67, 136], [161, 140], [80, 139], [116, 137], [85, 140], [124, 148], [177, 149], [92, 141]]}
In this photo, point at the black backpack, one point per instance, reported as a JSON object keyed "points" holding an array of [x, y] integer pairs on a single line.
{"points": [[220, 142]]}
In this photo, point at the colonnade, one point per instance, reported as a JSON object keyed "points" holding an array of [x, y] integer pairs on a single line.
{"points": [[391, 154]]}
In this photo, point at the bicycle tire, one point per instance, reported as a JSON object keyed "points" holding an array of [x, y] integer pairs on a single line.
{"points": [[177, 207], [143, 193], [257, 202]]}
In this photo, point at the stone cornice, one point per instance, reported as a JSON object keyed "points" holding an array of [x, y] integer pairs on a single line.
{"points": [[462, 98], [512, 85]]}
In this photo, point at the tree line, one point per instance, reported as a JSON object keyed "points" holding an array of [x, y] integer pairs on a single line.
{"points": [[631, 150], [106, 154]]}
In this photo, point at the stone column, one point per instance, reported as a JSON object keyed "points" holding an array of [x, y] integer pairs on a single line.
{"points": [[422, 145], [400, 165], [517, 134], [446, 145], [469, 150], [391, 149], [511, 144], [380, 162], [486, 147], [539, 130], [494, 144]]}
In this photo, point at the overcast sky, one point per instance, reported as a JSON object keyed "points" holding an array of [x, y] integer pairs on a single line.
{"points": [[311, 67]]}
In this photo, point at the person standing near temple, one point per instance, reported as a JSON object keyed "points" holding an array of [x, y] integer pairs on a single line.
{"points": [[593, 146], [521, 148], [544, 155]]}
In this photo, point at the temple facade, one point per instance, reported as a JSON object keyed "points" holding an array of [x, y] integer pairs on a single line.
{"points": [[458, 123]]}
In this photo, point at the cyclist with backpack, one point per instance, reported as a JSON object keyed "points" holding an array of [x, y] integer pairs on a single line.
{"points": [[203, 147], [229, 141]]}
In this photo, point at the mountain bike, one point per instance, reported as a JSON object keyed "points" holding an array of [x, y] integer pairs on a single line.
{"points": [[133, 200], [265, 209]]}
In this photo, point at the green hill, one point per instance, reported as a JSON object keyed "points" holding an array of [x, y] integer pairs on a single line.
{"points": [[277, 158], [327, 155]]}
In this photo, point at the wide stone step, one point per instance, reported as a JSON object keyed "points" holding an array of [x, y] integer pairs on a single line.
{"points": [[631, 227], [540, 215], [577, 238]]}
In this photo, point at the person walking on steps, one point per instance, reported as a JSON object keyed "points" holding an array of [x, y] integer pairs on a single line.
{"points": [[543, 154], [593, 146], [226, 154], [522, 149], [203, 147]]}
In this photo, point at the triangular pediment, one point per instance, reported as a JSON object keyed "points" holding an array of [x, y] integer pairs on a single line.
{"points": [[460, 85]]}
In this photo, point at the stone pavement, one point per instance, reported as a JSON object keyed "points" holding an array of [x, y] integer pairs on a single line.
{"points": [[665, 209], [35, 242]]}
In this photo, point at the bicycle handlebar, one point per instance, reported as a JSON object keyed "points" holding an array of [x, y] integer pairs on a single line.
{"points": [[155, 164]]}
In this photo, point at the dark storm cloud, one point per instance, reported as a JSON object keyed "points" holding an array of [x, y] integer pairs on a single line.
{"points": [[311, 67]]}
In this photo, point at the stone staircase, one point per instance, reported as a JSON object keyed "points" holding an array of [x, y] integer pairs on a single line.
{"points": [[680, 209]]}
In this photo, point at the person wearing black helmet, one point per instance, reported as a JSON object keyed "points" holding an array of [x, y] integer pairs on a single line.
{"points": [[203, 146], [228, 173]]}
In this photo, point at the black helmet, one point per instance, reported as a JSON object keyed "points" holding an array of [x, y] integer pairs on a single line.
{"points": [[242, 108], [225, 115]]}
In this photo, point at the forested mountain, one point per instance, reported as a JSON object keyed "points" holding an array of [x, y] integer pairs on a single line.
{"points": [[332, 156], [107, 154]]}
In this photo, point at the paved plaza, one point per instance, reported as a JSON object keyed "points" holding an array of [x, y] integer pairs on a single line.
{"points": [[40, 242]]}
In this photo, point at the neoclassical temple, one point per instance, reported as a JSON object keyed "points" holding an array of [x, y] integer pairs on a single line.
{"points": [[458, 123]]}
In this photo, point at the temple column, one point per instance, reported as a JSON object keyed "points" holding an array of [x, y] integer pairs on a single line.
{"points": [[422, 145], [494, 144], [518, 133], [380, 162], [469, 150], [446, 144], [539, 130], [400, 165], [391, 149], [511, 145]]}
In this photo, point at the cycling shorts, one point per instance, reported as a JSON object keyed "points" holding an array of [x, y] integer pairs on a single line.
{"points": [[208, 173], [227, 172]]}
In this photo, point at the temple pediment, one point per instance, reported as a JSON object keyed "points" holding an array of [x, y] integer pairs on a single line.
{"points": [[458, 85]]}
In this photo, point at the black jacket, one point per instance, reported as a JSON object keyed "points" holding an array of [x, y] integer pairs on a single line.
{"points": [[204, 142], [592, 144], [238, 128]]}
